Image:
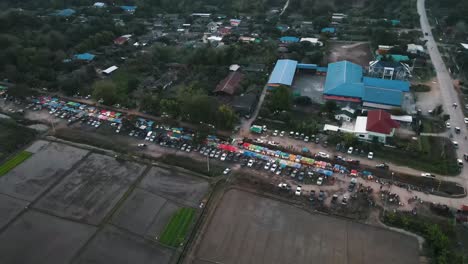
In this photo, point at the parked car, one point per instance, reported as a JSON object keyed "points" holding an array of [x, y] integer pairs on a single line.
{"points": [[460, 163], [350, 150], [282, 134], [223, 157], [320, 181], [370, 155], [321, 195], [298, 190], [306, 139], [323, 155], [344, 201], [275, 133], [426, 174], [250, 163], [447, 124], [267, 166], [226, 171], [382, 166], [334, 198], [141, 145], [466, 120], [312, 195], [273, 167]]}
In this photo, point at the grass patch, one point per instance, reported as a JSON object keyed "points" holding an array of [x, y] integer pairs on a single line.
{"points": [[193, 165], [432, 125], [13, 162], [430, 154], [175, 231], [13, 136]]}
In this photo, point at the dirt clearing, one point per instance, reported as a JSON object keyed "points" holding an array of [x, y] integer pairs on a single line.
{"points": [[247, 228], [357, 52]]}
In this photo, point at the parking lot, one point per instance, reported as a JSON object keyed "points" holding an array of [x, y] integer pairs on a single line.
{"points": [[73, 191], [247, 228]]}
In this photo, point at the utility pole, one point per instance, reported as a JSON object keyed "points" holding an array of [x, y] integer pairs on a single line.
{"points": [[208, 163]]}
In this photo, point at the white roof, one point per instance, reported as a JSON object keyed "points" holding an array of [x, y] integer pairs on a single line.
{"points": [[328, 127], [348, 109], [361, 124], [312, 40], [385, 47], [415, 47], [234, 67], [126, 36], [110, 69], [99, 4], [464, 45], [215, 38], [405, 118]]}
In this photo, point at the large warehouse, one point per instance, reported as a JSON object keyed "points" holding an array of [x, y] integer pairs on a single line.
{"points": [[285, 70], [345, 83]]}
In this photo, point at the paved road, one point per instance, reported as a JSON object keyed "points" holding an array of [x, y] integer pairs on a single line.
{"points": [[447, 91]]}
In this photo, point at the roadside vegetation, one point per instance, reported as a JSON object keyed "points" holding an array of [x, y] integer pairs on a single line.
{"points": [[440, 236], [420, 88], [176, 230], [193, 165], [13, 162]]}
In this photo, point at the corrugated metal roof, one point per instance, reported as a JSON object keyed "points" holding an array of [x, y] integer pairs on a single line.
{"points": [[344, 79], [289, 39], [380, 121], [283, 73], [387, 84], [230, 84], [382, 96]]}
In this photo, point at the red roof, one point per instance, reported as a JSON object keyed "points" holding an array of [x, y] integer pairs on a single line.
{"points": [[379, 121], [230, 84], [120, 40]]}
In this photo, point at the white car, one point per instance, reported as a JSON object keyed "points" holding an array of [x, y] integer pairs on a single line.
{"points": [[455, 144], [466, 120], [223, 157], [267, 166], [447, 124], [298, 191], [323, 155], [350, 150], [226, 171], [250, 163], [141, 145], [273, 168], [320, 181], [306, 139], [370, 155], [460, 162], [275, 133], [426, 174], [282, 134]]}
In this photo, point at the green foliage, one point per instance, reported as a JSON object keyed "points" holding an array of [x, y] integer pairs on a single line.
{"points": [[105, 90], [418, 88], [175, 231], [280, 99], [150, 104], [20, 90], [437, 242], [227, 118], [13, 162], [13, 136]]}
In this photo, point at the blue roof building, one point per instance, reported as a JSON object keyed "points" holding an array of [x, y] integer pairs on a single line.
{"points": [[345, 82], [283, 73], [330, 30], [289, 39], [387, 84], [65, 12], [129, 9], [344, 78], [84, 56]]}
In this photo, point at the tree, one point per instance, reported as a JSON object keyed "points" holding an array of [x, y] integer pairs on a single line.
{"points": [[329, 107], [150, 104], [226, 117], [20, 90], [280, 99], [106, 91], [170, 107]]}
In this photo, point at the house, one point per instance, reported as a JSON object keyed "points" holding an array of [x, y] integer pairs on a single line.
{"points": [[244, 105], [391, 70], [289, 39], [314, 41], [234, 22], [338, 17], [346, 84], [234, 67], [128, 9], [230, 84], [99, 5], [110, 70], [122, 39], [246, 39], [415, 49], [345, 114], [383, 49], [329, 30], [380, 125], [65, 12], [84, 56], [212, 27]]}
